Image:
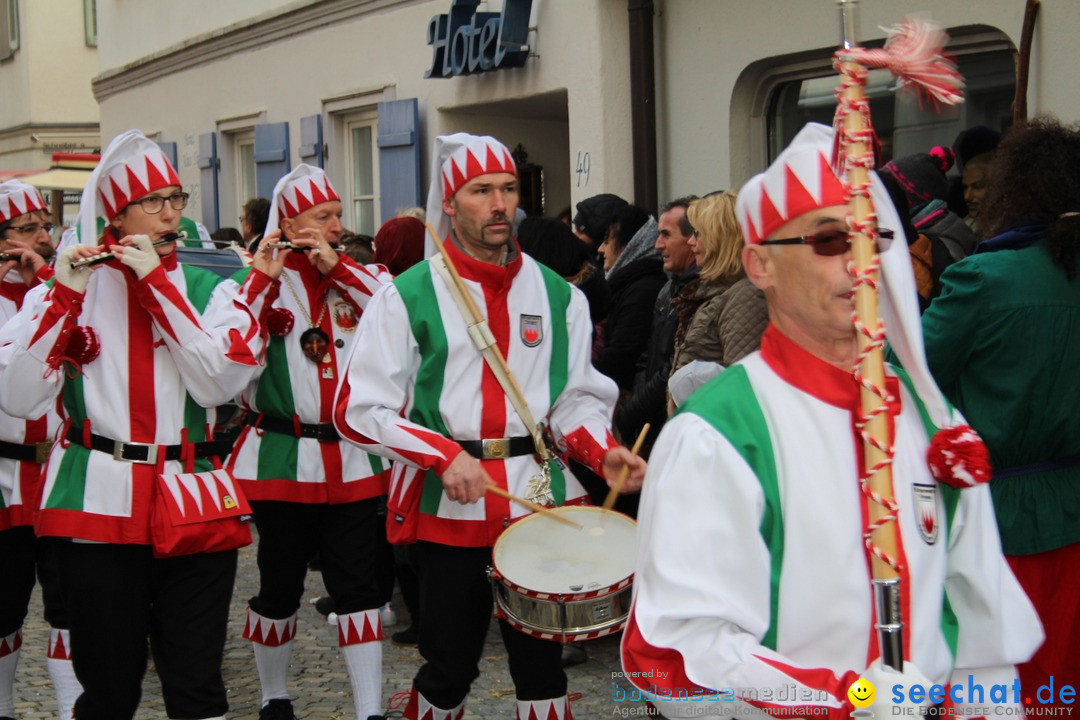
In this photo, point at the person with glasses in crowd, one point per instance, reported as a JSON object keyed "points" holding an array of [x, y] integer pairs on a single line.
{"points": [[25, 248], [137, 349], [762, 466], [310, 492]]}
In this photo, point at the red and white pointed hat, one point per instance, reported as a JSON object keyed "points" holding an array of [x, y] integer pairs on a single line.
{"points": [[17, 198], [302, 189], [802, 179], [456, 160], [131, 167]]}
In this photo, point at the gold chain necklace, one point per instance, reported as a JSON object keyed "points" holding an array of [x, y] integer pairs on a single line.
{"points": [[313, 342]]}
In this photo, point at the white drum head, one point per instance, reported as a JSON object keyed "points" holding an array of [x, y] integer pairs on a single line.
{"points": [[546, 556]]}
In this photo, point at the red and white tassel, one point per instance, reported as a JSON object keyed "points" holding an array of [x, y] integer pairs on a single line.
{"points": [[914, 53], [958, 457]]}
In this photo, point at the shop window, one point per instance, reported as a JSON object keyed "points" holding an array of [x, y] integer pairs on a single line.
{"points": [[90, 22], [904, 125], [362, 210], [9, 28]]}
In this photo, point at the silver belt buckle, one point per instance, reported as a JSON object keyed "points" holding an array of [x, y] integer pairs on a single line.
{"points": [[151, 452], [495, 449]]}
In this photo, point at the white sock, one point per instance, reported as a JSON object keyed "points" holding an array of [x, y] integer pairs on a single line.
{"points": [[364, 662], [65, 684], [273, 665], [360, 637], [272, 640], [10, 648]]}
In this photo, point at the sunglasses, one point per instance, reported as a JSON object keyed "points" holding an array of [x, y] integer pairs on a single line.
{"points": [[832, 242]]}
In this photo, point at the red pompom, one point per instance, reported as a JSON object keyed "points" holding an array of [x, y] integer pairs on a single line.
{"points": [[279, 321], [82, 346], [958, 457]]}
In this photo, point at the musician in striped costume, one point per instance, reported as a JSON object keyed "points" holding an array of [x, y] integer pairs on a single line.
{"points": [[753, 579], [24, 444], [310, 492], [138, 350], [418, 386]]}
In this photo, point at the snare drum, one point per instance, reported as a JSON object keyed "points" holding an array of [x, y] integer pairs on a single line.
{"points": [[556, 582]]}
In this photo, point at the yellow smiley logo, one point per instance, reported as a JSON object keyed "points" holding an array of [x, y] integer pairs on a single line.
{"points": [[862, 693]]}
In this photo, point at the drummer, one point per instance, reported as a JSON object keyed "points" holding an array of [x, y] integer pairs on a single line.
{"points": [[435, 407]]}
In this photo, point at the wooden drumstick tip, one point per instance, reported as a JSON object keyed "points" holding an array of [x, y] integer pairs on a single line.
{"points": [[613, 493], [493, 488]]}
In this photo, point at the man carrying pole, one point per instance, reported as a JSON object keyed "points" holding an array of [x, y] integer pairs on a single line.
{"points": [[459, 421]]}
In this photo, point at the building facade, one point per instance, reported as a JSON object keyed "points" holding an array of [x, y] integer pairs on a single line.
{"points": [[48, 56], [239, 92]]}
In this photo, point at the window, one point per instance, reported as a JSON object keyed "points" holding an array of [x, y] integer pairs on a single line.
{"points": [[244, 154], [90, 22], [361, 205], [9, 28], [985, 60]]}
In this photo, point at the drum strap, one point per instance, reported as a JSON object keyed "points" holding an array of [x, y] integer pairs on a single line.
{"points": [[485, 343]]}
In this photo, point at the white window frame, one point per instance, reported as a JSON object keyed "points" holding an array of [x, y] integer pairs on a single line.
{"points": [[9, 28], [354, 121]]}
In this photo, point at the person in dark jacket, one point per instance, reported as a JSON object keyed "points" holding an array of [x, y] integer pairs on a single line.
{"points": [[552, 243], [635, 275], [948, 237], [648, 402]]}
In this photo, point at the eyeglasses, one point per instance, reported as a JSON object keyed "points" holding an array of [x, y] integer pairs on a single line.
{"points": [[153, 204], [32, 228], [832, 242]]}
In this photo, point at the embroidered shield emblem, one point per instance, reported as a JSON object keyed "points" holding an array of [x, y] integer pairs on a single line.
{"points": [[926, 514], [531, 332], [345, 316]]}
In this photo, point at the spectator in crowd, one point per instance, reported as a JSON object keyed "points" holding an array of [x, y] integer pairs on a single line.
{"points": [[1003, 342], [553, 244], [412, 212], [399, 244], [253, 219], [724, 320], [635, 275], [223, 237], [975, 180], [359, 247], [648, 401], [594, 218], [922, 176]]}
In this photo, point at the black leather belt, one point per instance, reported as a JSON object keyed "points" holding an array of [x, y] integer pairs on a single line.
{"points": [[147, 453], [498, 448], [31, 452], [323, 432]]}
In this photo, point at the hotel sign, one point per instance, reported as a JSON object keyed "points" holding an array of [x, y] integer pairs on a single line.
{"points": [[465, 42]]}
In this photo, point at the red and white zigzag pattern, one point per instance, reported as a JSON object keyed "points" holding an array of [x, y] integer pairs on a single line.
{"points": [[10, 644], [552, 709], [420, 709], [59, 644], [359, 627], [272, 633]]}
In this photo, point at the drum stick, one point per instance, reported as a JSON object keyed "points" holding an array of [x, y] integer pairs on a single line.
{"points": [[493, 488], [613, 493]]}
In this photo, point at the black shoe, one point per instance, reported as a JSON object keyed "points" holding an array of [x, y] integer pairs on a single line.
{"points": [[325, 605], [408, 636], [277, 710], [573, 654]]}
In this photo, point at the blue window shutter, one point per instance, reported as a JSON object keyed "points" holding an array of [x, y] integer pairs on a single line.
{"points": [[271, 156], [399, 156], [311, 140], [208, 180], [169, 148]]}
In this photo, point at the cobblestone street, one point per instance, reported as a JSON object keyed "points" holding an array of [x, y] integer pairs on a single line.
{"points": [[319, 683]]}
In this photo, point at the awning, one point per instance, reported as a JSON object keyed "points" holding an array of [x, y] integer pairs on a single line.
{"points": [[59, 179], [6, 175]]}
